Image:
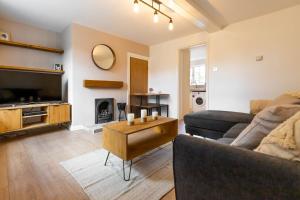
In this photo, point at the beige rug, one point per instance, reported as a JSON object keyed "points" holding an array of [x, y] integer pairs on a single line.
{"points": [[151, 176]]}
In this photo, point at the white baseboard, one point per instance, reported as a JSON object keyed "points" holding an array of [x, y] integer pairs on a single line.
{"points": [[96, 128], [77, 127]]}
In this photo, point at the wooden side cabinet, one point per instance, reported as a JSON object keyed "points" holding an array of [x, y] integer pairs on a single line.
{"points": [[10, 120], [59, 114]]}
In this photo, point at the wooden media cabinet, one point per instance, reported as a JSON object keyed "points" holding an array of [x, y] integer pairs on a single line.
{"points": [[14, 118]]}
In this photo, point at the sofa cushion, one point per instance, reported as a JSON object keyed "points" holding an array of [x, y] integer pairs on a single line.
{"points": [[236, 130], [225, 140], [284, 141], [216, 120], [263, 123], [204, 132]]}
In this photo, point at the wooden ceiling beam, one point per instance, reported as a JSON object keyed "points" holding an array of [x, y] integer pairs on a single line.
{"points": [[189, 12]]}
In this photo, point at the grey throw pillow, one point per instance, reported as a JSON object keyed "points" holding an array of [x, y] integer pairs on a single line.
{"points": [[263, 123]]}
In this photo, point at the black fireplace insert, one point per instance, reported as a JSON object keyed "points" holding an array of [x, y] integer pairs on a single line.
{"points": [[104, 110]]}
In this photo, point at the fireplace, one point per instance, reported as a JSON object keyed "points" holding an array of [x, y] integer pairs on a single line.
{"points": [[104, 110]]}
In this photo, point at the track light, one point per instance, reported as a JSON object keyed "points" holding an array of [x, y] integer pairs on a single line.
{"points": [[171, 25], [136, 7], [155, 5], [155, 17]]}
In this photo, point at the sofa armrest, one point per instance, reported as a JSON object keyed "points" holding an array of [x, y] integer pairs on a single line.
{"points": [[207, 170], [258, 105]]}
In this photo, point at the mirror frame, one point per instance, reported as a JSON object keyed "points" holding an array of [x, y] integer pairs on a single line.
{"points": [[112, 51]]}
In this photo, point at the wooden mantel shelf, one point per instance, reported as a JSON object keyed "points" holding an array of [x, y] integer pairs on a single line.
{"points": [[102, 84], [31, 46]]}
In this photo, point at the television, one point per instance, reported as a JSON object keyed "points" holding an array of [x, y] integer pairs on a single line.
{"points": [[20, 87]]}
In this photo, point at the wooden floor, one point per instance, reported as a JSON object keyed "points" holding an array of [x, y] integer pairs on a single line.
{"points": [[30, 169]]}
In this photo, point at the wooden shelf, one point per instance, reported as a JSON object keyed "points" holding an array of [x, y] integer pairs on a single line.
{"points": [[31, 116], [102, 84], [34, 125], [31, 106], [31, 46], [31, 69]]}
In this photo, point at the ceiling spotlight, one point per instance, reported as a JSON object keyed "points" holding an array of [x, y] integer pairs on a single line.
{"points": [[171, 25], [136, 7], [155, 17]]}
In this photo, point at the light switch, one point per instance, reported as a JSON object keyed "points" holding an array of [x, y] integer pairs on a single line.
{"points": [[259, 58]]}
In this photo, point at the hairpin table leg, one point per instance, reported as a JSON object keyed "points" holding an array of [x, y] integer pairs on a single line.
{"points": [[126, 179], [106, 158]]}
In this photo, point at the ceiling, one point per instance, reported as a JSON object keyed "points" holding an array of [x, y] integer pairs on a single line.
{"points": [[112, 16], [117, 16], [225, 12]]}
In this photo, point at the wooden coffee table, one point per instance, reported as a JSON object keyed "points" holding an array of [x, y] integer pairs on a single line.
{"points": [[128, 142]]}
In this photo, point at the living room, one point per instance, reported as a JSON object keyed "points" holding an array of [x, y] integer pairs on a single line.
{"points": [[96, 99]]}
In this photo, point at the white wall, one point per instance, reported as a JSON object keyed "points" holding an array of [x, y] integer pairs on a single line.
{"points": [[67, 60], [164, 67], [240, 78], [28, 57], [233, 51]]}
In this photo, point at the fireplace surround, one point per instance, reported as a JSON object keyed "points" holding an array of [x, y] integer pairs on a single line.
{"points": [[104, 110]]}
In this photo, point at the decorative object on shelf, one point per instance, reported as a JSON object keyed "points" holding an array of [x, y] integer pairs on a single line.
{"points": [[151, 90], [154, 115], [58, 67], [155, 5], [4, 36], [143, 115], [130, 119], [103, 56]]}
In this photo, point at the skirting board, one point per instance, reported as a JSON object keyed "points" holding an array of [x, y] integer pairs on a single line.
{"points": [[76, 127], [97, 128], [92, 130]]}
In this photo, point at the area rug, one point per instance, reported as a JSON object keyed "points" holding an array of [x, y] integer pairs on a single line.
{"points": [[151, 176]]}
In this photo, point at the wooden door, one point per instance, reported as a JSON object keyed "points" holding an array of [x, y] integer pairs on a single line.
{"points": [[138, 77], [59, 114], [10, 120]]}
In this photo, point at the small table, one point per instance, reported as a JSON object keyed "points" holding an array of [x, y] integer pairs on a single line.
{"points": [[128, 142], [150, 106]]}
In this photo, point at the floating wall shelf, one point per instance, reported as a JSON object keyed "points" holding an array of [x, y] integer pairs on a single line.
{"points": [[30, 69], [31, 46], [102, 84]]}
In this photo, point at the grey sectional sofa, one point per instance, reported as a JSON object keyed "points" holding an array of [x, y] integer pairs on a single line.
{"points": [[206, 170], [213, 170]]}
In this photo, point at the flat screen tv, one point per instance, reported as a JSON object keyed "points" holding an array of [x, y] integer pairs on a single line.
{"points": [[17, 87]]}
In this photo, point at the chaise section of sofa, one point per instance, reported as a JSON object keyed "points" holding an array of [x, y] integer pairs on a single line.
{"points": [[214, 124], [208, 170]]}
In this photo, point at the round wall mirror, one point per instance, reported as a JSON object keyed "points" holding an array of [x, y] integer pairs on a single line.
{"points": [[103, 56]]}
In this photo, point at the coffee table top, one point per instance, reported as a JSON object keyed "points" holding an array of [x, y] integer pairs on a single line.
{"points": [[126, 129]]}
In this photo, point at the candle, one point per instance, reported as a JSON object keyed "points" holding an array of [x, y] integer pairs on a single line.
{"points": [[143, 115], [154, 115], [130, 118]]}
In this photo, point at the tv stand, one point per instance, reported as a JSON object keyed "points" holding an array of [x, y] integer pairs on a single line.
{"points": [[30, 116]]}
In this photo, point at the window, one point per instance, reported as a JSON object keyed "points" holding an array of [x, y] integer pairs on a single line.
{"points": [[197, 75]]}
